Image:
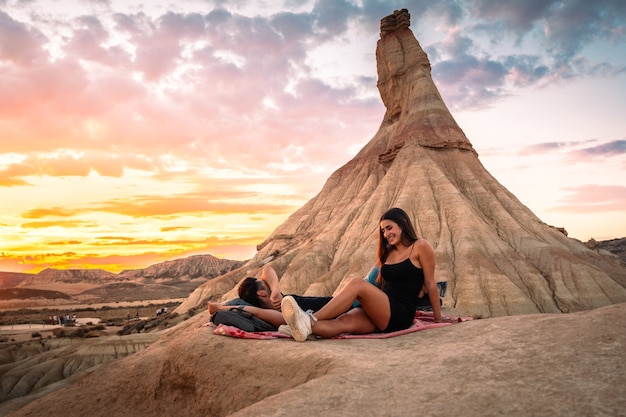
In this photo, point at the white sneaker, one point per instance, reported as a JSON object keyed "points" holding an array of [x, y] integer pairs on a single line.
{"points": [[285, 329], [299, 322]]}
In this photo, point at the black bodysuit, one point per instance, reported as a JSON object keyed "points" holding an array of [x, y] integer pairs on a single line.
{"points": [[402, 283]]}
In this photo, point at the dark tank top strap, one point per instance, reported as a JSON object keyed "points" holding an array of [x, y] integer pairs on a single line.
{"points": [[413, 244]]}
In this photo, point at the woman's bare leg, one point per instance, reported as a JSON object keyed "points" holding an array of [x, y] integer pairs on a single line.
{"points": [[354, 321], [373, 301]]}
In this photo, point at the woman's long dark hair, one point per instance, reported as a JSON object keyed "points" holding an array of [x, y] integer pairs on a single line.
{"points": [[398, 216]]}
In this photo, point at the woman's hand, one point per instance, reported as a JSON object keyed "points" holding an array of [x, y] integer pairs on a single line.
{"points": [[444, 319]]}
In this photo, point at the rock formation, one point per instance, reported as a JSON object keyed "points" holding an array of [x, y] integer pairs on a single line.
{"points": [[497, 256], [613, 246]]}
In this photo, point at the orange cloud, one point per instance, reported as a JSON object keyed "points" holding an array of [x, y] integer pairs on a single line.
{"points": [[48, 212], [11, 182], [198, 242], [156, 207], [174, 228], [65, 242], [43, 225]]}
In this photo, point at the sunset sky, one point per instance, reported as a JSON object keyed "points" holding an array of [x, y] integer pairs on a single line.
{"points": [[138, 131]]}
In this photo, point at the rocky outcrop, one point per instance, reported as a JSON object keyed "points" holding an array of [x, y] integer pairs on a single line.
{"points": [[498, 258], [399, 20], [616, 247]]}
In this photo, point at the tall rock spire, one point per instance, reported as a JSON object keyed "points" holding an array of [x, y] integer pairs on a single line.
{"points": [[415, 110], [497, 256]]}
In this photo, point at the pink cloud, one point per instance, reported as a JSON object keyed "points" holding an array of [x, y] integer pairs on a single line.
{"points": [[592, 198], [219, 100], [51, 87]]}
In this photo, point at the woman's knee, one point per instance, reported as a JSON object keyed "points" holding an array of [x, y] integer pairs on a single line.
{"points": [[357, 282]]}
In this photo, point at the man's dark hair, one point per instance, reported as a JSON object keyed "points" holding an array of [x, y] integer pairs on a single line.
{"points": [[247, 291]]}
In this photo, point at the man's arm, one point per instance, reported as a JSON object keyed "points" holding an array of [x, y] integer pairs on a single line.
{"points": [[271, 279]]}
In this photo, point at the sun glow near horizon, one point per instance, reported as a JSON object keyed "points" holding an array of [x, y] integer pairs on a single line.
{"points": [[116, 246], [133, 221]]}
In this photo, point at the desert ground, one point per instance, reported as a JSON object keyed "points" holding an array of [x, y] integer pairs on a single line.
{"points": [[539, 365]]}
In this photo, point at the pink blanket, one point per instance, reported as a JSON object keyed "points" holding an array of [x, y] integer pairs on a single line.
{"points": [[423, 320]]}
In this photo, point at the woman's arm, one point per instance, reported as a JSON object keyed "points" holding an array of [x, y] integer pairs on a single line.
{"points": [[426, 258]]}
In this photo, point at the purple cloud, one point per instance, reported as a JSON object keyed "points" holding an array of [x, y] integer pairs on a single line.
{"points": [[574, 151], [614, 148], [18, 43]]}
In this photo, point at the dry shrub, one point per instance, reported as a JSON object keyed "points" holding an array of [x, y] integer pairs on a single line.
{"points": [[79, 332]]}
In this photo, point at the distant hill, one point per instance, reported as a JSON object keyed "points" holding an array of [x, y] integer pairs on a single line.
{"points": [[23, 293], [11, 279], [165, 280], [68, 276], [198, 266]]}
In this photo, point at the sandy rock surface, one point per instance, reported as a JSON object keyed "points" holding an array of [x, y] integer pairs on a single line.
{"points": [[550, 364]]}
